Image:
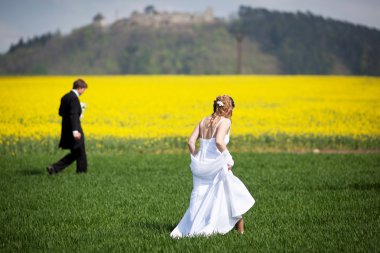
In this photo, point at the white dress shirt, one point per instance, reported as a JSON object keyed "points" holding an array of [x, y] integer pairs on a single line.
{"points": [[76, 93]]}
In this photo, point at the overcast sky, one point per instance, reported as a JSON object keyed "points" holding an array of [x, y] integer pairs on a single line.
{"points": [[28, 18]]}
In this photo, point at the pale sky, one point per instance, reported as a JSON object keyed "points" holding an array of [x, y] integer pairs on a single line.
{"points": [[28, 18]]}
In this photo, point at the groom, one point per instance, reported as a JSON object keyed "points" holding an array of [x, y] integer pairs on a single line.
{"points": [[72, 136]]}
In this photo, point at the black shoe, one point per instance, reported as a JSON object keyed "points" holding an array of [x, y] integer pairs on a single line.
{"points": [[50, 169]]}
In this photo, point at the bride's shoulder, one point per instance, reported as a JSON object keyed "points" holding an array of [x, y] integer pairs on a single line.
{"points": [[226, 120], [205, 119]]}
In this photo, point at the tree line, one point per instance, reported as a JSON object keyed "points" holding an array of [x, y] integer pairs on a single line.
{"points": [[256, 41]]}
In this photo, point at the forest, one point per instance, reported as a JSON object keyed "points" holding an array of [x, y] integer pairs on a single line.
{"points": [[255, 41]]}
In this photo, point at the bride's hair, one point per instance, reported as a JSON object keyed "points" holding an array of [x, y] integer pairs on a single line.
{"points": [[223, 106]]}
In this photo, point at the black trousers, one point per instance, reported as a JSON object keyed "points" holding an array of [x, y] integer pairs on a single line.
{"points": [[78, 155]]}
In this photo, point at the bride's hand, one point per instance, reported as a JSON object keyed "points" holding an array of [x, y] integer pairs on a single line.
{"points": [[229, 167]]}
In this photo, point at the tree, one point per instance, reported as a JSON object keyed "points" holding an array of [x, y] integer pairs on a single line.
{"points": [[236, 28], [150, 9]]}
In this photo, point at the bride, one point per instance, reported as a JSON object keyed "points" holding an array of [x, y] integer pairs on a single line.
{"points": [[219, 199]]}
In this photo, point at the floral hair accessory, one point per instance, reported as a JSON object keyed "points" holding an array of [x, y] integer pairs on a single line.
{"points": [[220, 103]]}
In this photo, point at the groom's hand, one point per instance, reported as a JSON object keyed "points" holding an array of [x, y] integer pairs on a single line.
{"points": [[77, 135]]}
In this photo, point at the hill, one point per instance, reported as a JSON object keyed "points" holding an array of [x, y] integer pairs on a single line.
{"points": [[272, 43]]}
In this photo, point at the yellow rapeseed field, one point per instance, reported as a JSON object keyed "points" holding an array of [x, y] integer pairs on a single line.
{"points": [[168, 106]]}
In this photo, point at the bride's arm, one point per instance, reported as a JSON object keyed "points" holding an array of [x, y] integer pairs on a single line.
{"points": [[192, 140], [221, 133], [219, 139]]}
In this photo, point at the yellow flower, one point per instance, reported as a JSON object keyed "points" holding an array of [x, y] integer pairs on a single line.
{"points": [[170, 106]]}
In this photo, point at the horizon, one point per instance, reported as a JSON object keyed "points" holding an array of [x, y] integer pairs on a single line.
{"points": [[38, 17]]}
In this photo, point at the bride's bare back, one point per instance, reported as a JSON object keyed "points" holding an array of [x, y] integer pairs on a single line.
{"points": [[209, 126]]}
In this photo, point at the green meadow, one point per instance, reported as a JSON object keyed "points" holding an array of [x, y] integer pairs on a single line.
{"points": [[130, 202]]}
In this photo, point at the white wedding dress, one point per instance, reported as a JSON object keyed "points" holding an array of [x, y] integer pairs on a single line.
{"points": [[219, 199]]}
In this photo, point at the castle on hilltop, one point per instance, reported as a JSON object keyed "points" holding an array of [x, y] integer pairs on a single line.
{"points": [[153, 18]]}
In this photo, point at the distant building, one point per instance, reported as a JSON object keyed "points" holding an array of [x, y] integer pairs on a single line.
{"points": [[159, 19], [99, 20]]}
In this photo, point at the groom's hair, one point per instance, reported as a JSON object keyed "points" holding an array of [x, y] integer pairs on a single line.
{"points": [[79, 83]]}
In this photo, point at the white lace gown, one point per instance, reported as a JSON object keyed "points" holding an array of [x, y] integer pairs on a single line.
{"points": [[218, 200]]}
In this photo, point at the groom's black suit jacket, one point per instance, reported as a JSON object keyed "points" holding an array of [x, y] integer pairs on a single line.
{"points": [[70, 111]]}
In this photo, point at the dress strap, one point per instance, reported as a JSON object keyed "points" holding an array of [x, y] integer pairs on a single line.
{"points": [[216, 127], [200, 127]]}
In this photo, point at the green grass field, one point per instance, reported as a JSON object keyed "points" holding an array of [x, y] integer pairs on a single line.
{"points": [[245, 143], [131, 202]]}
